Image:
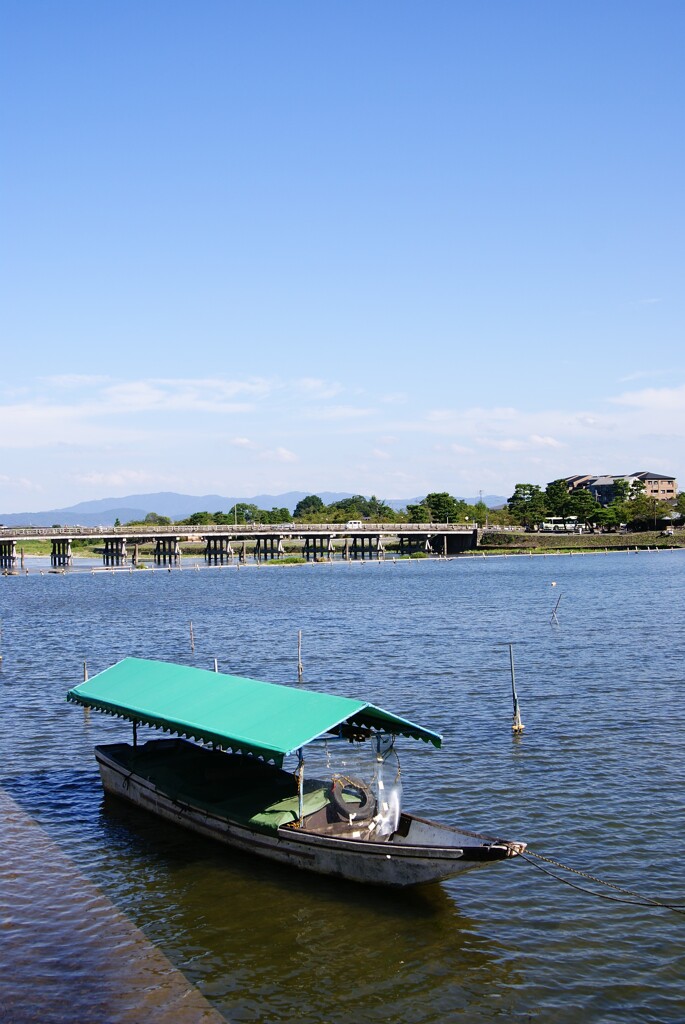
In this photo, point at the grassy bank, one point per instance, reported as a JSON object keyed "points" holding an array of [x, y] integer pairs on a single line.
{"points": [[499, 542]]}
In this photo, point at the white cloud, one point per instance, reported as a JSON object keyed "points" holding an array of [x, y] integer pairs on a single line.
{"points": [[182, 396], [545, 442], [279, 455], [504, 444], [19, 483], [658, 400], [258, 430]]}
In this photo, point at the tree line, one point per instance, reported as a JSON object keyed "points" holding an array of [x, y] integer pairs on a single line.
{"points": [[528, 506], [437, 507]]}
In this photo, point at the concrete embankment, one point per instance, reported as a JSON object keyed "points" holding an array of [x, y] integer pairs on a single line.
{"points": [[68, 955]]}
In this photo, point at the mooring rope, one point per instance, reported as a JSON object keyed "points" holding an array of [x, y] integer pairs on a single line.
{"points": [[635, 898]]}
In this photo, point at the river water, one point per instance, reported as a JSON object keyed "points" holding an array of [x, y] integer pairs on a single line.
{"points": [[597, 780]]}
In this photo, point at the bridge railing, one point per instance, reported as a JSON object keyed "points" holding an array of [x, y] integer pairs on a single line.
{"points": [[177, 529]]}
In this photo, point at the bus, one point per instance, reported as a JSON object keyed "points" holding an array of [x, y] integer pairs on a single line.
{"points": [[561, 524]]}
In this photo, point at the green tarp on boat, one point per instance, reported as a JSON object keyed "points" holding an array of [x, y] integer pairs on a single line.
{"points": [[245, 715]]}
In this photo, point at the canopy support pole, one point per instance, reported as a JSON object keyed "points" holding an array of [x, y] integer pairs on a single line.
{"points": [[300, 787]]}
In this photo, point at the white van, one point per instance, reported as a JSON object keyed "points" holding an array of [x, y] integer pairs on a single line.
{"points": [[354, 524]]}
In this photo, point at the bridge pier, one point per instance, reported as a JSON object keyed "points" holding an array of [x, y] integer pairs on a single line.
{"points": [[270, 548], [115, 551], [61, 552], [167, 551], [318, 548], [8, 554], [410, 543], [362, 547], [218, 550]]}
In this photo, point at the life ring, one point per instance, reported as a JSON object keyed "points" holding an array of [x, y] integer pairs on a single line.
{"points": [[358, 790]]}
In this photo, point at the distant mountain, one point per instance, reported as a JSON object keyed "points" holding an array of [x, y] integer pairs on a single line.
{"points": [[104, 511]]}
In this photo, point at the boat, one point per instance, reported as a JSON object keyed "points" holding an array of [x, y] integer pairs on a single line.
{"points": [[222, 774]]}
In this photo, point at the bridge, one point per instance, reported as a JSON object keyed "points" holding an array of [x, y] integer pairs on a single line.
{"points": [[264, 542]]}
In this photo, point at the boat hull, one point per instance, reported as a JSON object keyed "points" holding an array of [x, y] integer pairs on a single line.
{"points": [[443, 852]]}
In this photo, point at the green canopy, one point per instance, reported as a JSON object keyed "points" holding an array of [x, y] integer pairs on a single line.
{"points": [[242, 714]]}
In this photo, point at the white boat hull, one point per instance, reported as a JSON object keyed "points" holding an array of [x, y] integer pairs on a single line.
{"points": [[420, 852]]}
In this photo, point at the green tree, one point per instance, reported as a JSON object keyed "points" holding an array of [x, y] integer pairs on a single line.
{"points": [[355, 507], [242, 512], [647, 512], [557, 498], [418, 513], [444, 508], [311, 505], [527, 505], [152, 519], [500, 517], [480, 513], [620, 490], [584, 506], [277, 515], [199, 519], [379, 511]]}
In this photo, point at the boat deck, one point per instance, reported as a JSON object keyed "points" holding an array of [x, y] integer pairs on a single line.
{"points": [[242, 789]]}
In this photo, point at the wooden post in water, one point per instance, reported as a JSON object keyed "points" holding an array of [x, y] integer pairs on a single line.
{"points": [[216, 665], [192, 638], [86, 709], [300, 668], [517, 726], [554, 613]]}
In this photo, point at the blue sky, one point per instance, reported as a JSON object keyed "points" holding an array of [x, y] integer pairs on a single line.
{"points": [[383, 248]]}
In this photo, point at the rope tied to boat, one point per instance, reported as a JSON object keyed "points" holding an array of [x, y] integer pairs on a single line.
{"points": [[626, 895]]}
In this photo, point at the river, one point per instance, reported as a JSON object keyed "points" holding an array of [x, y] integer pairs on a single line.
{"points": [[597, 780]]}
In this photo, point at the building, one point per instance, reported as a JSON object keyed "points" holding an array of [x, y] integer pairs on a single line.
{"points": [[602, 488], [664, 488]]}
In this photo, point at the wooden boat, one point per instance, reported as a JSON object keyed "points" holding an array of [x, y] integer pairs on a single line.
{"points": [[224, 777]]}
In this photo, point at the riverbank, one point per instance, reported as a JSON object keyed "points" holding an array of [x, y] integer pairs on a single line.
{"points": [[518, 542]]}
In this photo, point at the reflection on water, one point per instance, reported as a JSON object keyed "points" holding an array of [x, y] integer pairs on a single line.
{"points": [[337, 946], [596, 780], [260, 938]]}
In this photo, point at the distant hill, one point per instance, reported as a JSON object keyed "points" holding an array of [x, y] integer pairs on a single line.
{"points": [[104, 511]]}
